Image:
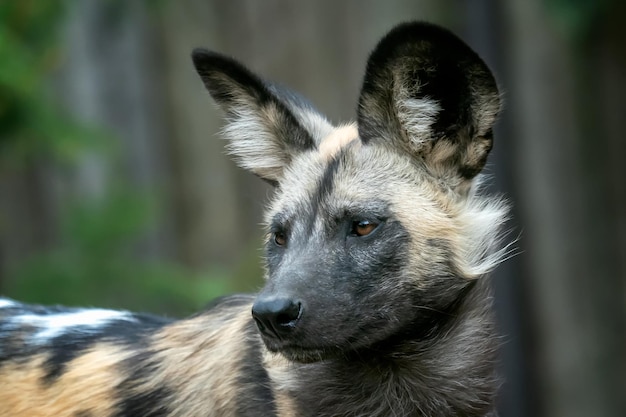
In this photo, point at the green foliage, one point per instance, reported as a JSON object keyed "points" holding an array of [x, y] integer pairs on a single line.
{"points": [[84, 278], [577, 17], [95, 261], [96, 264], [30, 124]]}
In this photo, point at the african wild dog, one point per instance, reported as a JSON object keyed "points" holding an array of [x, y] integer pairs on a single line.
{"points": [[378, 246]]}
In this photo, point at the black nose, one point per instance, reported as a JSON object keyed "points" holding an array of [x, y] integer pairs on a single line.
{"points": [[276, 317]]}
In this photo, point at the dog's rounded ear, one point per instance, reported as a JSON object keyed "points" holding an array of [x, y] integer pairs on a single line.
{"points": [[426, 92], [266, 125]]}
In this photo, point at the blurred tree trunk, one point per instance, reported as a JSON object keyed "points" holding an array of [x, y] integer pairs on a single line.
{"points": [[483, 28], [28, 210], [109, 80], [207, 216], [565, 175]]}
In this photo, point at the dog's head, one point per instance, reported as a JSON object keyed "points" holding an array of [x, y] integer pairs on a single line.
{"points": [[376, 226]]}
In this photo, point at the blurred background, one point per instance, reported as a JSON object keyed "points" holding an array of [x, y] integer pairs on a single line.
{"points": [[115, 190]]}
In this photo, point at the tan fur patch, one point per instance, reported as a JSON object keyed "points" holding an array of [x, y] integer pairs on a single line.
{"points": [[200, 361], [338, 139], [86, 386], [283, 379]]}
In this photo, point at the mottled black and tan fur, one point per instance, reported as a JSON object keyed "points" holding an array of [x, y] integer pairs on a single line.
{"points": [[378, 247]]}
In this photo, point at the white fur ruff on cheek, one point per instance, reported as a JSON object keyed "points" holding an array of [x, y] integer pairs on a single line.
{"points": [[482, 247], [52, 325]]}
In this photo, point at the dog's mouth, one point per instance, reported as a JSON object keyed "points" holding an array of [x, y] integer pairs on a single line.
{"points": [[304, 355], [308, 355], [301, 353]]}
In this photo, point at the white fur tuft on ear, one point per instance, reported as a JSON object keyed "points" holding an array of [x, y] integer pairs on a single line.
{"points": [[252, 146], [417, 117]]}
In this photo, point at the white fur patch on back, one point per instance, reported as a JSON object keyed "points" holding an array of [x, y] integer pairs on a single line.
{"points": [[52, 325], [338, 139], [5, 302]]}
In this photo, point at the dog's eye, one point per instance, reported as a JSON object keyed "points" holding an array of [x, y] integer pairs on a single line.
{"points": [[280, 238], [363, 227]]}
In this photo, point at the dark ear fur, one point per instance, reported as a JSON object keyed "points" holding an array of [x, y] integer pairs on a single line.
{"points": [[428, 93], [266, 125]]}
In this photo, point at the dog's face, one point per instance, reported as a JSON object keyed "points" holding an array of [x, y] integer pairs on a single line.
{"points": [[375, 228]]}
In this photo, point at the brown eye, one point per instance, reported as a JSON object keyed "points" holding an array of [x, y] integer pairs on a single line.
{"points": [[280, 239], [363, 227]]}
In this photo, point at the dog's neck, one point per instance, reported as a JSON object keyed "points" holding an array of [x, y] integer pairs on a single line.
{"points": [[451, 373]]}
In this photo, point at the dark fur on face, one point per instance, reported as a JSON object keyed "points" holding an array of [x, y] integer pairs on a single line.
{"points": [[378, 247]]}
